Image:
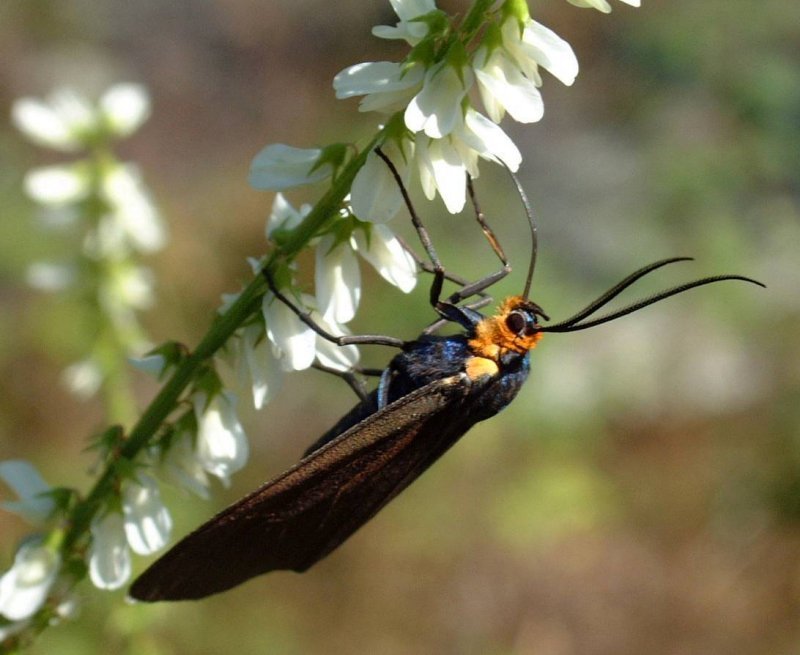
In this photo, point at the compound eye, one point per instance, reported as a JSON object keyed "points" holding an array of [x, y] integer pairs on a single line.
{"points": [[517, 322]]}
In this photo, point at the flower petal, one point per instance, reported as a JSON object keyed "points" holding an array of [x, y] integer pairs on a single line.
{"points": [[442, 167], [387, 255], [125, 107], [489, 140], [337, 280], [550, 51], [221, 442], [341, 358], [43, 125], [503, 87], [133, 210], [26, 481], [147, 522], [436, 109], [292, 338], [264, 367], [109, 555], [56, 185], [279, 166], [24, 588], [375, 195]]}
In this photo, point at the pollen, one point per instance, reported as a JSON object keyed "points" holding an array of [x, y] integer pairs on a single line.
{"points": [[493, 338]]}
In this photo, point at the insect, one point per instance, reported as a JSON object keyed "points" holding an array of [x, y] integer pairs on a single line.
{"points": [[431, 393]]}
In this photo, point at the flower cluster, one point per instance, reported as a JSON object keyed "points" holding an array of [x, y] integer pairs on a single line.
{"points": [[443, 132], [99, 200], [278, 340]]}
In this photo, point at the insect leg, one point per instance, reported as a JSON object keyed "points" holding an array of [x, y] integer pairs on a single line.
{"points": [[422, 232], [428, 268], [348, 376], [339, 340], [478, 287]]}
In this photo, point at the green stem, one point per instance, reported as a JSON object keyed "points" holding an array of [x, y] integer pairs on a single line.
{"points": [[474, 18], [222, 329]]}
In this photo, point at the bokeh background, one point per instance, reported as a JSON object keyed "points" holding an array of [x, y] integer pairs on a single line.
{"points": [[642, 495]]}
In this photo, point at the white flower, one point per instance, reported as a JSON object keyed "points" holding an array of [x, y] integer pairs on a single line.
{"points": [[442, 169], [24, 588], [83, 378], [47, 276], [444, 163], [221, 442], [293, 340], [375, 195], [132, 208], [436, 109], [337, 280], [66, 121], [263, 366], [539, 46], [386, 86], [341, 358], [602, 5], [127, 286], [279, 166], [147, 522], [57, 185], [154, 365], [283, 217], [408, 30], [387, 255], [125, 107], [60, 123], [23, 478], [297, 345], [109, 555], [183, 466], [503, 87]]}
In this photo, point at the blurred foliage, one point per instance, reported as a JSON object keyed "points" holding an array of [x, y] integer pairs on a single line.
{"points": [[640, 496]]}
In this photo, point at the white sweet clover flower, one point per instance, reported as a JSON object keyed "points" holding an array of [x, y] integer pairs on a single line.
{"points": [[280, 166], [602, 5], [450, 135], [83, 378], [340, 358], [221, 444], [109, 553], [35, 504], [407, 29], [131, 209], [296, 345], [58, 185], [181, 465], [375, 195], [384, 252], [337, 279], [25, 587], [293, 341], [50, 277], [260, 363], [146, 521], [283, 217], [143, 526], [386, 86], [68, 122], [154, 364]]}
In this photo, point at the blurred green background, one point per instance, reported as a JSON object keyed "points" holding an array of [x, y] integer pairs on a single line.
{"points": [[642, 495]]}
